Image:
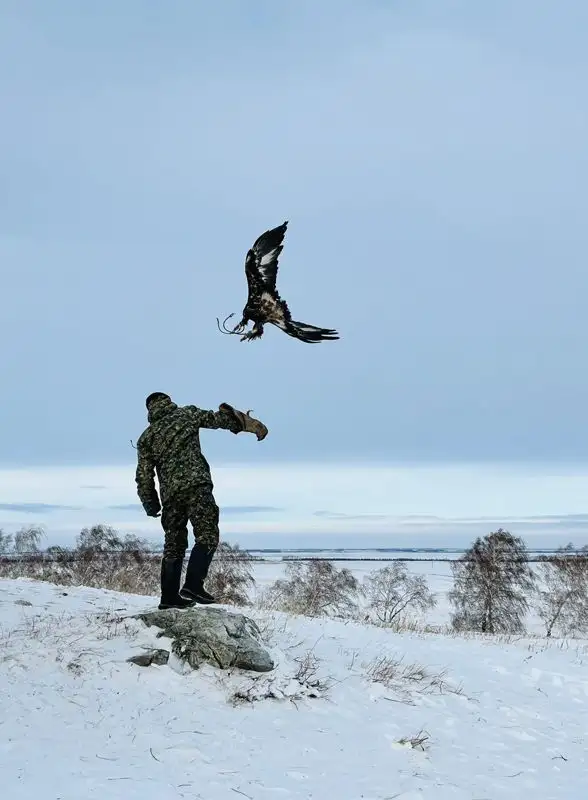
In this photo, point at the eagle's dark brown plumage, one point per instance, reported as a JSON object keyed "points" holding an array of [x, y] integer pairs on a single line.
{"points": [[264, 304]]}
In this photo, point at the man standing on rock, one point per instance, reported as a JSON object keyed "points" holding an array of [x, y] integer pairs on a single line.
{"points": [[170, 447]]}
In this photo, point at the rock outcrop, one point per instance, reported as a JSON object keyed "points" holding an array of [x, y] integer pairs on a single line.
{"points": [[213, 635]]}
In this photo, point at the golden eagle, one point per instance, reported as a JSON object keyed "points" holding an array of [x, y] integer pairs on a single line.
{"points": [[264, 304]]}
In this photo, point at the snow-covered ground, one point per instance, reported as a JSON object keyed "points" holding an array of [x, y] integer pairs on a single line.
{"points": [[78, 721]]}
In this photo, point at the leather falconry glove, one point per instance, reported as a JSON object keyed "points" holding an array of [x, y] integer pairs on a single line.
{"points": [[249, 423]]}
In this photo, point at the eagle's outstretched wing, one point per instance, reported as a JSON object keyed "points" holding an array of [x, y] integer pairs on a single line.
{"points": [[261, 262]]}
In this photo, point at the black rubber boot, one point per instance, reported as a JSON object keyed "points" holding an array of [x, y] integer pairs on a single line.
{"points": [[196, 572], [171, 575]]}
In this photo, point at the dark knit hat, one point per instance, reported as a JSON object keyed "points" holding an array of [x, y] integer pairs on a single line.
{"points": [[156, 396]]}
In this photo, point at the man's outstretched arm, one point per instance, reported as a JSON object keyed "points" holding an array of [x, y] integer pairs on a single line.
{"points": [[229, 419], [145, 479]]}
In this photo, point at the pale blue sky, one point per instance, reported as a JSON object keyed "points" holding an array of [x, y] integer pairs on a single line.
{"points": [[431, 158]]}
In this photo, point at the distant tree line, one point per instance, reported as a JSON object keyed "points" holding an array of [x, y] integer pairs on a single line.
{"points": [[494, 586]]}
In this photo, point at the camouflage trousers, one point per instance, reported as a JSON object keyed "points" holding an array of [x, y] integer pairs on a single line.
{"points": [[200, 509]]}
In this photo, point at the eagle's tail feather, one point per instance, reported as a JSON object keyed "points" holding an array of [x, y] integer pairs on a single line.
{"points": [[310, 334]]}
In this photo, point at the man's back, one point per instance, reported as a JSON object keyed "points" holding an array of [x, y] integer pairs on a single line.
{"points": [[174, 442], [171, 447]]}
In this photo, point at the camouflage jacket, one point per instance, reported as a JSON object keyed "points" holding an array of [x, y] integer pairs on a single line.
{"points": [[170, 447]]}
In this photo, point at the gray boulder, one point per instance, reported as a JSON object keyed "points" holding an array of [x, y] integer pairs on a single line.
{"points": [[158, 657], [221, 638]]}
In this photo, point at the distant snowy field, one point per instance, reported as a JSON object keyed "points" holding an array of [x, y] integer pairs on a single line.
{"points": [[77, 721], [272, 566]]}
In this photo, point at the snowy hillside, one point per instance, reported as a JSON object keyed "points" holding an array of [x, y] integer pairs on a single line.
{"points": [[488, 719]]}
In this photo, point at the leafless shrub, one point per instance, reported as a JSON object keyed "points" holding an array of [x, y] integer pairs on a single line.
{"points": [[393, 673], [392, 591], [491, 583], [305, 683], [102, 558], [231, 575], [563, 602], [417, 742], [314, 588], [308, 665], [258, 690], [389, 670], [272, 627], [250, 694]]}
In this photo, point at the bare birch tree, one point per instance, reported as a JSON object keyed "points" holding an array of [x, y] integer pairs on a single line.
{"points": [[27, 539], [563, 598], [314, 588], [492, 581], [6, 542], [392, 591]]}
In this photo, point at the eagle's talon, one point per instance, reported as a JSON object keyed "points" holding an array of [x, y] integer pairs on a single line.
{"points": [[250, 335]]}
